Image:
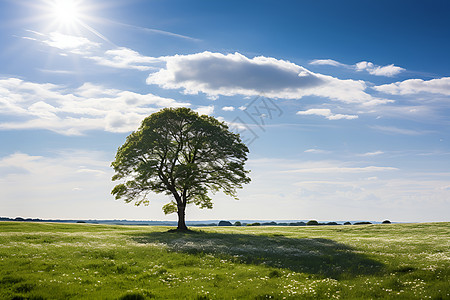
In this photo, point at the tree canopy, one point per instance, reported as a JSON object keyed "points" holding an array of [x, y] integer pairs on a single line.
{"points": [[180, 153]]}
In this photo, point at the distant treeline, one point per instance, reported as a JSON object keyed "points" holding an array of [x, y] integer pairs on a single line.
{"points": [[111, 222], [194, 223], [309, 223], [20, 219]]}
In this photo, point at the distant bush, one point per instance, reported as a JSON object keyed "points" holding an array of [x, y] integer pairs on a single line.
{"points": [[362, 223], [254, 224], [81, 222], [312, 223], [225, 223], [237, 223], [273, 223], [297, 224], [332, 223], [386, 222], [347, 223]]}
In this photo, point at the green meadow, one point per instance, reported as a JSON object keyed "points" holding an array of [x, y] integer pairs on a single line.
{"points": [[84, 261]]}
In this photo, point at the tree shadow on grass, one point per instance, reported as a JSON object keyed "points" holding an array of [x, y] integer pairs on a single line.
{"points": [[317, 256]]}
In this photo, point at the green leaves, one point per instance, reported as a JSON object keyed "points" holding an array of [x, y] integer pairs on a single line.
{"points": [[170, 208], [180, 153], [119, 190]]}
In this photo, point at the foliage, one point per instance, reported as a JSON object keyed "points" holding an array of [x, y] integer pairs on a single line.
{"points": [[69, 261], [254, 224], [331, 223], [182, 154], [237, 223], [386, 222], [297, 224], [272, 223], [225, 223], [312, 223]]}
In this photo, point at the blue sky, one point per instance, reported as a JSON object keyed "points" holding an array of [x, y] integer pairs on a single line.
{"points": [[345, 103]]}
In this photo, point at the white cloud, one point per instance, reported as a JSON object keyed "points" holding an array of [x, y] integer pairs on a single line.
{"points": [[228, 108], [120, 57], [317, 167], [389, 70], [158, 31], [16, 164], [73, 111], [205, 110], [60, 72], [125, 58], [314, 150], [325, 112], [329, 170], [34, 32], [94, 172], [415, 86], [82, 162], [372, 153], [371, 68], [396, 130], [327, 62], [73, 44], [234, 74], [43, 110], [29, 38], [61, 186]]}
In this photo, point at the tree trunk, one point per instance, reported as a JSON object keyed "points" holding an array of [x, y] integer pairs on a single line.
{"points": [[181, 218]]}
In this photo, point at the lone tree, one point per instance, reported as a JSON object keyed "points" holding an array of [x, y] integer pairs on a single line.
{"points": [[180, 153]]}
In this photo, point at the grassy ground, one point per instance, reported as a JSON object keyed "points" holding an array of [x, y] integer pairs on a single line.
{"points": [[73, 261]]}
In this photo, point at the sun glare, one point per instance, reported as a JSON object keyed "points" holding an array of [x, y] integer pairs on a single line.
{"points": [[66, 11], [70, 16]]}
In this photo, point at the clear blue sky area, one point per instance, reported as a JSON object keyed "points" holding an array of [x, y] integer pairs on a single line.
{"points": [[345, 105]]}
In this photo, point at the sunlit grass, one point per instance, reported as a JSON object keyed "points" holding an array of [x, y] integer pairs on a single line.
{"points": [[72, 261]]}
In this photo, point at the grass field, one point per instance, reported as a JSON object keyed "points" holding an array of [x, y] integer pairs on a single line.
{"points": [[73, 261]]}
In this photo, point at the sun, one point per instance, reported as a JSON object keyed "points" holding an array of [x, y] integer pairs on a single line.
{"points": [[66, 12], [70, 16]]}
